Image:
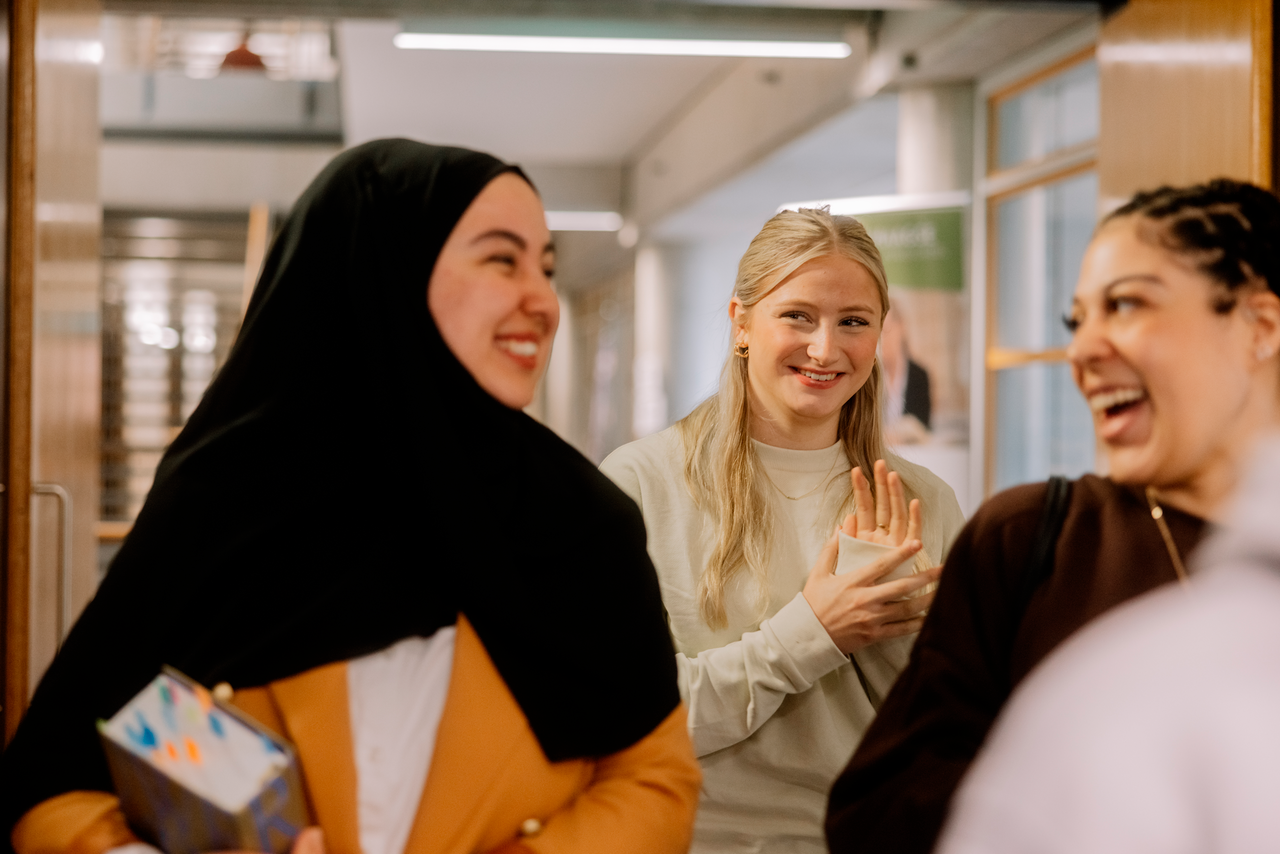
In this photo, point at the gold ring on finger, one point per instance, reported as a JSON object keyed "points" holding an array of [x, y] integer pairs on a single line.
{"points": [[883, 527]]}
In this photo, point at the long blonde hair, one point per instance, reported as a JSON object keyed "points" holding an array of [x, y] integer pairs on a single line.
{"points": [[720, 464]]}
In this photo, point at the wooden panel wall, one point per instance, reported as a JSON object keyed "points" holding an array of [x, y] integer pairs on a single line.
{"points": [[67, 375], [1186, 94]]}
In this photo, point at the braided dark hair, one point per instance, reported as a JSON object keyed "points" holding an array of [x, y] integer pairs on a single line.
{"points": [[1229, 229]]}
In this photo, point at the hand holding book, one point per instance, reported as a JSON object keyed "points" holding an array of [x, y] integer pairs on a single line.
{"points": [[309, 841], [195, 775]]}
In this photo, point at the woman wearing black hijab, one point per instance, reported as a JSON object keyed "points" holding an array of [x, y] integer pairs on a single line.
{"points": [[358, 513]]}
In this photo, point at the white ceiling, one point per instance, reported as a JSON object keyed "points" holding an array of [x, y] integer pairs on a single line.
{"points": [[528, 108], [853, 154]]}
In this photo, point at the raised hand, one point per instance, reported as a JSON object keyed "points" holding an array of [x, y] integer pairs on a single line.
{"points": [[886, 518], [855, 610]]}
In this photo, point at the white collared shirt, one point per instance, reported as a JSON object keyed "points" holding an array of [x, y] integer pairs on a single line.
{"points": [[396, 698]]}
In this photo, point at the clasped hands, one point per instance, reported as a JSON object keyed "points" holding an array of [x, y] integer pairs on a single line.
{"points": [[857, 609]]}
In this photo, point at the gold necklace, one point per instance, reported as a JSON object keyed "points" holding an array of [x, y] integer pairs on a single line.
{"points": [[825, 478], [1157, 513]]}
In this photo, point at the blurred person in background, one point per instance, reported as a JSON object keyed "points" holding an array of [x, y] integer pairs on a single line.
{"points": [[1176, 330], [782, 663], [331, 535], [908, 402], [1152, 731]]}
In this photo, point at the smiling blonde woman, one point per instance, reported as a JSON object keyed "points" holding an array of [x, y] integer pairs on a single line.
{"points": [[781, 663]]}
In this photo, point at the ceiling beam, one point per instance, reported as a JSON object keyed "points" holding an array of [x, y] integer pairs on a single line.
{"points": [[761, 105], [667, 11], [757, 106], [793, 10]]}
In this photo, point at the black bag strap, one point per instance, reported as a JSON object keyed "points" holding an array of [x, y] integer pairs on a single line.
{"points": [[1040, 564]]}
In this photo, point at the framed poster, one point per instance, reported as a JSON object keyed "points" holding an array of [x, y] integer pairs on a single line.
{"points": [[924, 346]]}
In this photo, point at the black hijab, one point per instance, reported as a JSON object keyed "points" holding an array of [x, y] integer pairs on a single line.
{"points": [[344, 484]]}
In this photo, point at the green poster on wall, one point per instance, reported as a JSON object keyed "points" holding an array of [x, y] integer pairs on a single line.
{"points": [[920, 249]]}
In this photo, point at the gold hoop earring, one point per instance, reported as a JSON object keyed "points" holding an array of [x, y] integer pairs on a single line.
{"points": [[740, 350]]}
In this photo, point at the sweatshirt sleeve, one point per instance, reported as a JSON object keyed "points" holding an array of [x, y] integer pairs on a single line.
{"points": [[732, 690]]}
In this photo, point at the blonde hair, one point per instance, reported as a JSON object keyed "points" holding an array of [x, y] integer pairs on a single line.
{"points": [[720, 465]]}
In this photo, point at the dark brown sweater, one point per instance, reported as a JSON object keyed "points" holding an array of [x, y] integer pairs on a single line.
{"points": [[975, 647]]}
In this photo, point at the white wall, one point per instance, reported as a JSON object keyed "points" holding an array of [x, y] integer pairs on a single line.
{"points": [[699, 318], [207, 176]]}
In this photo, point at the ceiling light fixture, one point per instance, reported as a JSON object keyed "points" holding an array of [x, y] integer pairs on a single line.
{"points": [[626, 46], [584, 220], [857, 205]]}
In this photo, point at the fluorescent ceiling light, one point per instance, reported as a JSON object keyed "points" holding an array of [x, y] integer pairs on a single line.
{"points": [[855, 205], [633, 46], [1177, 53], [87, 51], [584, 220]]}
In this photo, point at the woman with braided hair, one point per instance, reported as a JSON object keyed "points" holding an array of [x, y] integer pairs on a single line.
{"points": [[1176, 331]]}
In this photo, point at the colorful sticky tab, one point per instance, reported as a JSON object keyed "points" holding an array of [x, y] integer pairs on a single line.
{"points": [[168, 708], [143, 736]]}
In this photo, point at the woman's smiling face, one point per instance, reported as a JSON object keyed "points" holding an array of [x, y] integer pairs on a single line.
{"points": [[811, 345], [1170, 380], [490, 292]]}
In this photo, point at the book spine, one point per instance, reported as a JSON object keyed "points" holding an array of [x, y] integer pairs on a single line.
{"points": [[273, 819]]}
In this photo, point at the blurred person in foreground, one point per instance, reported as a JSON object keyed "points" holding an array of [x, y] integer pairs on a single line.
{"points": [[446, 609], [1153, 731], [1176, 330], [782, 663]]}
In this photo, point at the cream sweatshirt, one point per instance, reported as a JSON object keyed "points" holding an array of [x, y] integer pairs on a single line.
{"points": [[775, 709]]}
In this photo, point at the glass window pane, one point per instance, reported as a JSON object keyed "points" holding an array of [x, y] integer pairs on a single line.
{"points": [[1055, 114], [1040, 237], [1043, 426], [171, 306]]}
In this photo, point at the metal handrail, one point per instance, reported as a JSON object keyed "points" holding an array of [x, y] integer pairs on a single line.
{"points": [[64, 568]]}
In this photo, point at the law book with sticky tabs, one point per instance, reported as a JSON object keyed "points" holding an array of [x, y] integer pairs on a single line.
{"points": [[195, 775]]}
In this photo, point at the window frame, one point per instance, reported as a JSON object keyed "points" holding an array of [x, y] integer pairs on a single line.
{"points": [[997, 186]]}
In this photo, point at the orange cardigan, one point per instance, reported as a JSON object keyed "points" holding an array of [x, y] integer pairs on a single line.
{"points": [[489, 788]]}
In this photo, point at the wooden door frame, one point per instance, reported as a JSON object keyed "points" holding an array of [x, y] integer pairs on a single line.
{"points": [[20, 246]]}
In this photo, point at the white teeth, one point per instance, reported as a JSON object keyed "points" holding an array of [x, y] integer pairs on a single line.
{"points": [[819, 377], [1106, 400], [519, 348]]}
